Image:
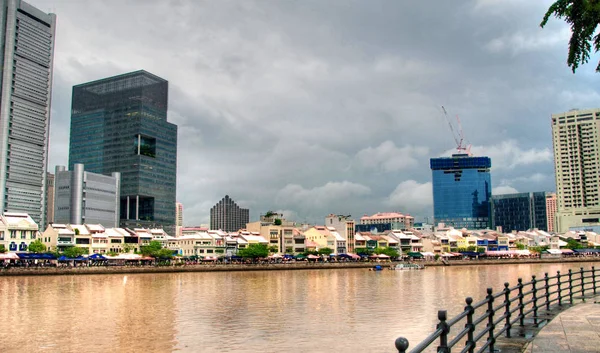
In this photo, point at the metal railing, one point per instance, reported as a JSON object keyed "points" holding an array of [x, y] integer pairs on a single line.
{"points": [[486, 321]]}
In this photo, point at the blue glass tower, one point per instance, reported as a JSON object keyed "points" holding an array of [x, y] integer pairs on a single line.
{"points": [[462, 191], [119, 124]]}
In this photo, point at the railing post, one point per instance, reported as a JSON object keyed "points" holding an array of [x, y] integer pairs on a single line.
{"points": [[401, 344], [547, 288], [581, 273], [490, 324], [594, 278], [570, 286], [507, 309], [443, 347], [521, 306], [558, 290], [469, 325], [534, 300]]}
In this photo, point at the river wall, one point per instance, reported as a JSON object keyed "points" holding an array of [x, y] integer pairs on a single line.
{"points": [[54, 271]]}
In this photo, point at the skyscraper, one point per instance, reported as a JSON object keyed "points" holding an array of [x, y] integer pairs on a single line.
{"points": [[119, 124], [27, 51], [228, 216], [551, 211], [576, 140], [178, 218], [520, 211], [462, 191]]}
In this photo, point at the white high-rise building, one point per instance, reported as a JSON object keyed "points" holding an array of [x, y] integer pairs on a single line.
{"points": [[83, 197], [27, 38], [576, 140]]}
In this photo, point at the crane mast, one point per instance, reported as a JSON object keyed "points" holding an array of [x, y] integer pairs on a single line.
{"points": [[459, 137]]}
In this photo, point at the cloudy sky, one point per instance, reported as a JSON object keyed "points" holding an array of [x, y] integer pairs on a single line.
{"points": [[318, 107]]}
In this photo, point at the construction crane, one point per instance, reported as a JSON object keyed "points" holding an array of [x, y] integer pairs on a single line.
{"points": [[459, 137]]}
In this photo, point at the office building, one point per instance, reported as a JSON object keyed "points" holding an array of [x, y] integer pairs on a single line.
{"points": [[86, 198], [226, 215], [49, 198], [178, 218], [385, 221], [119, 124], [462, 191], [27, 36], [551, 211], [345, 226], [576, 141], [521, 211]]}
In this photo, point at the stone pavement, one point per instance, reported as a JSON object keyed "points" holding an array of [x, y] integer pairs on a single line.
{"points": [[575, 330]]}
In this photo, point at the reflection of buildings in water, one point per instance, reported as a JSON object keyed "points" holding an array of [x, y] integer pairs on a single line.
{"points": [[87, 312]]}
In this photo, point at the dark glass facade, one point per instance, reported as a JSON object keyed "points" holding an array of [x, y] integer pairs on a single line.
{"points": [[119, 124], [462, 191], [228, 216], [521, 211]]}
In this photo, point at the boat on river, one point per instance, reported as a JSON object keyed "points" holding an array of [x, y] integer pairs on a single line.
{"points": [[405, 266]]}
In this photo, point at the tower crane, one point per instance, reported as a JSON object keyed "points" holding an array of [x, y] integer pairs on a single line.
{"points": [[459, 137]]}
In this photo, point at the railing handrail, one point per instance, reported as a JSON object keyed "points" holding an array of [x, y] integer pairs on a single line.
{"points": [[505, 309]]}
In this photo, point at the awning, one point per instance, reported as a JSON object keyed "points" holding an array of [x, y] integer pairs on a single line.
{"points": [[32, 256], [581, 251], [428, 254], [554, 251], [9, 256], [415, 254], [500, 253], [566, 251]]}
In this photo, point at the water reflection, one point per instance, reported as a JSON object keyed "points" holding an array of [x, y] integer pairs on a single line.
{"points": [[295, 311]]}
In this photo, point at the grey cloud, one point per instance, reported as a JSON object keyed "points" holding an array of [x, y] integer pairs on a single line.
{"points": [[268, 95]]}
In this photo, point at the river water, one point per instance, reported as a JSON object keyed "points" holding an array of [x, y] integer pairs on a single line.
{"points": [[351, 310]]}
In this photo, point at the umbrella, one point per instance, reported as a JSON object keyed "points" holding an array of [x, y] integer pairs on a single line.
{"points": [[96, 257]]}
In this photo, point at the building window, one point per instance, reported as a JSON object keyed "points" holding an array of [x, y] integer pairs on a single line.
{"points": [[145, 146], [13, 234]]}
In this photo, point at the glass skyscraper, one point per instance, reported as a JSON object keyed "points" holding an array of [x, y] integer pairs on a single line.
{"points": [[522, 211], [119, 124], [462, 191], [27, 54]]}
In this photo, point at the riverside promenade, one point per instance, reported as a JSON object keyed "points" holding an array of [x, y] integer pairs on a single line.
{"points": [[575, 330], [303, 265]]}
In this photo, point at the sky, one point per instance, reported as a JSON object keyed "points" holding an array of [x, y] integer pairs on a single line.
{"points": [[315, 107]]}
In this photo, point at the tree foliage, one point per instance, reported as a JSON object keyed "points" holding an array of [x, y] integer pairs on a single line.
{"points": [[538, 249], [363, 251], [2, 249], [325, 251], [155, 249], [583, 16], [277, 222], [254, 251], [74, 251], [573, 244], [273, 248], [36, 246], [391, 252]]}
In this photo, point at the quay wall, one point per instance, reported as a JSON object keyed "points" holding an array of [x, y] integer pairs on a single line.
{"points": [[53, 271]]}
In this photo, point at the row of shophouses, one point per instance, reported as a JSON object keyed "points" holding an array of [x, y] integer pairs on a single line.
{"points": [[18, 230]]}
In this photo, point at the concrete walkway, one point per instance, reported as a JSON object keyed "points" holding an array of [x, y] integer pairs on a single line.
{"points": [[575, 330]]}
